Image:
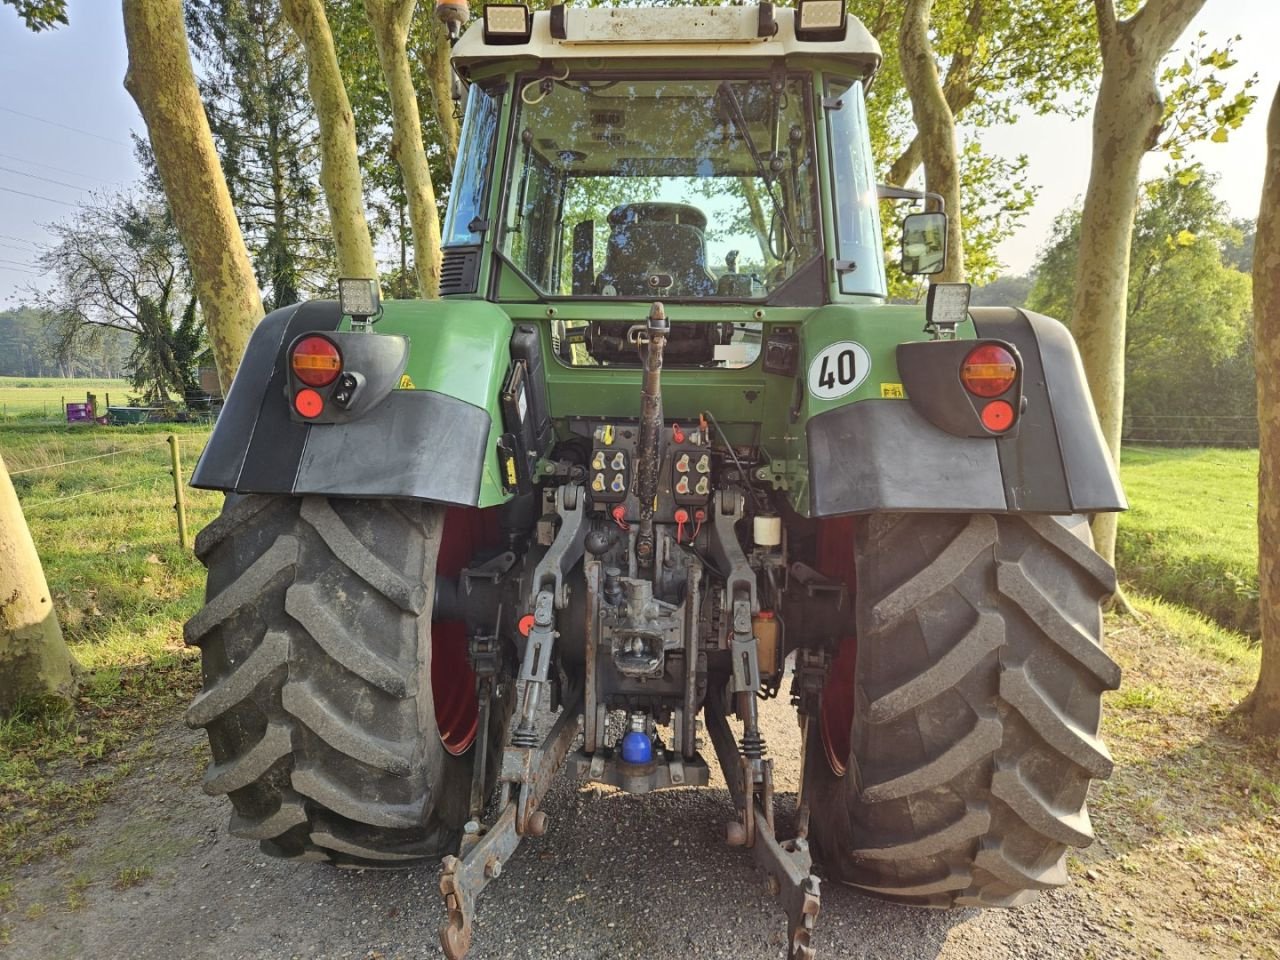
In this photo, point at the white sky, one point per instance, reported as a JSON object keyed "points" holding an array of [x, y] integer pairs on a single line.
{"points": [[74, 76]]}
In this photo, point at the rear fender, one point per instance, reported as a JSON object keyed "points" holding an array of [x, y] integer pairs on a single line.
{"points": [[414, 443], [910, 455]]}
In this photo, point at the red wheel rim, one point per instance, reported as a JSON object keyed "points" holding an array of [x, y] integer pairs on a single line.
{"points": [[453, 687], [453, 682], [835, 722]]}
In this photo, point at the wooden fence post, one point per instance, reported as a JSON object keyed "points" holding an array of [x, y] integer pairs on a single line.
{"points": [[179, 502]]}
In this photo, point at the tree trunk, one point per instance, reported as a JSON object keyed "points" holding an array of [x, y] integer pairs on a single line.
{"points": [[390, 21], [935, 125], [436, 52], [161, 82], [1264, 703], [35, 664], [339, 163], [1126, 125]]}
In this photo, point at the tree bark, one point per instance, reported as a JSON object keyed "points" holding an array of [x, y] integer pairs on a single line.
{"points": [[35, 664], [1126, 125], [935, 125], [161, 82], [437, 53], [1264, 703], [390, 20], [339, 162]]}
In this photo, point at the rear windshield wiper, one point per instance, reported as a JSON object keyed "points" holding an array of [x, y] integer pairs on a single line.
{"points": [[739, 120]]}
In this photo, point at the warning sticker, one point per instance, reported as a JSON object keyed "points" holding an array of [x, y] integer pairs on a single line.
{"points": [[406, 383], [892, 391]]}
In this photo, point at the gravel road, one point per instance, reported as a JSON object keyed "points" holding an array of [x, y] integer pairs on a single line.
{"points": [[615, 876]]}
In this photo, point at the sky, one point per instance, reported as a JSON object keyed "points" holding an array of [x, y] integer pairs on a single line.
{"points": [[65, 120]]}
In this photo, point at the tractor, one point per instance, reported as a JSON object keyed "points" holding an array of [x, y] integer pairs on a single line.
{"points": [[661, 448]]}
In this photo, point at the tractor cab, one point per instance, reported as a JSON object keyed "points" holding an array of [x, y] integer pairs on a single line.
{"points": [[611, 154]]}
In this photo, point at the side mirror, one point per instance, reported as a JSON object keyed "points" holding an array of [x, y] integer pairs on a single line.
{"points": [[924, 243]]}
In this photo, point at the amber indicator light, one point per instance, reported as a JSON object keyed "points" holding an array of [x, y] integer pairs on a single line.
{"points": [[988, 370], [316, 361]]}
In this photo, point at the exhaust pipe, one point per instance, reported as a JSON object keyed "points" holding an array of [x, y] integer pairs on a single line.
{"points": [[652, 343]]}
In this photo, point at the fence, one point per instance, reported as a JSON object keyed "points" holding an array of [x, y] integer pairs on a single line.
{"points": [[1172, 430], [127, 458]]}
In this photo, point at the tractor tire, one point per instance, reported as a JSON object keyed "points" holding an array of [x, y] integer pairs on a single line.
{"points": [[976, 699], [316, 648]]}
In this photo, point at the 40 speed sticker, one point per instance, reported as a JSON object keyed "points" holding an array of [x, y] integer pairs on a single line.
{"points": [[839, 369]]}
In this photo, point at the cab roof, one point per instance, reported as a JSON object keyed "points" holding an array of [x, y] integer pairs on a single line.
{"points": [[668, 33]]}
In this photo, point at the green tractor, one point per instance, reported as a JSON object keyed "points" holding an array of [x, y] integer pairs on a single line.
{"points": [[661, 448]]}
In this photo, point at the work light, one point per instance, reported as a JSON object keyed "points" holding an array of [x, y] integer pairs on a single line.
{"points": [[507, 23], [358, 298], [821, 20]]}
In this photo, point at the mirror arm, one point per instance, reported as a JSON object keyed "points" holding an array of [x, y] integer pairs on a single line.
{"points": [[885, 191]]}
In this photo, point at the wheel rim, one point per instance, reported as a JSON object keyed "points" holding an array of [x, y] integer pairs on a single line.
{"points": [[836, 720], [453, 682], [453, 687]]}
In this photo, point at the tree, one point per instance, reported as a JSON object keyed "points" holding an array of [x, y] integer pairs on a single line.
{"points": [[40, 14], [35, 664], [936, 126], [118, 264], [1264, 703], [994, 60], [163, 85], [1183, 288], [391, 20], [339, 162], [1128, 121], [254, 83]]}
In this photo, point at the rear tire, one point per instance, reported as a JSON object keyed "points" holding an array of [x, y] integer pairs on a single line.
{"points": [[977, 700], [316, 649]]}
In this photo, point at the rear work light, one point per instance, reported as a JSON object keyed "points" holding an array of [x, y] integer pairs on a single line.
{"points": [[988, 371], [316, 361]]}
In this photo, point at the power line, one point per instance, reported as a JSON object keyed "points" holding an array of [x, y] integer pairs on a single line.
{"points": [[61, 183], [36, 196], [19, 263], [49, 166], [30, 273], [14, 246], [9, 236], [54, 123]]}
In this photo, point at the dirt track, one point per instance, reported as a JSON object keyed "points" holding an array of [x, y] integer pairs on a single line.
{"points": [[615, 877]]}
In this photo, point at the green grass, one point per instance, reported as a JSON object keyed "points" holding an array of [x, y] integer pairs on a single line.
{"points": [[122, 586], [1191, 534], [41, 398]]}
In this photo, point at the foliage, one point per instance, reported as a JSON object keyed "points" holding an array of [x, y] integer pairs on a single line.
{"points": [[118, 265], [1188, 344], [1190, 535], [254, 85], [1197, 102], [40, 14], [994, 60], [371, 105], [30, 346], [1002, 292]]}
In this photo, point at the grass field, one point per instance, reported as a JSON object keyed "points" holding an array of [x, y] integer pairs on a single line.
{"points": [[41, 398], [1190, 535]]}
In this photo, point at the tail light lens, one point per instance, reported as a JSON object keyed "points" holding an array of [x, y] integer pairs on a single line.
{"points": [[988, 371], [316, 361]]}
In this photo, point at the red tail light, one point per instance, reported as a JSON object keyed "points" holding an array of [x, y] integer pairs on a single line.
{"points": [[988, 371], [316, 361]]}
